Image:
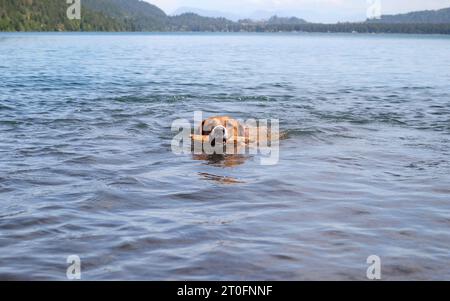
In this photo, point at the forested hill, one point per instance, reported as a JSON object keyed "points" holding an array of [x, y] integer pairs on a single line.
{"points": [[441, 16], [96, 15], [101, 15], [133, 15], [137, 15]]}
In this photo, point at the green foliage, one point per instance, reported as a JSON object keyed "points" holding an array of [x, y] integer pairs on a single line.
{"points": [[440, 16], [194, 22], [354, 27], [48, 15], [136, 15]]}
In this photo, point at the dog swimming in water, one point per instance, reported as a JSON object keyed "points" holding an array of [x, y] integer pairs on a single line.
{"points": [[226, 130], [225, 141]]}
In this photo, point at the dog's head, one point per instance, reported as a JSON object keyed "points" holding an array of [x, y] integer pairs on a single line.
{"points": [[221, 129]]}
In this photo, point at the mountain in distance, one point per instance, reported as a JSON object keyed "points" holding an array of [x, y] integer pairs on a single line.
{"points": [[137, 15], [194, 22], [110, 15], [273, 22], [441, 16], [259, 15], [97, 15], [207, 13], [265, 14]]}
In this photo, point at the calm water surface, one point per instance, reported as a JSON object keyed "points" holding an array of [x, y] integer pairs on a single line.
{"points": [[86, 165]]}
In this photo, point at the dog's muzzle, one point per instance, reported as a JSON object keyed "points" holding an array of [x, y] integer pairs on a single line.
{"points": [[218, 135]]}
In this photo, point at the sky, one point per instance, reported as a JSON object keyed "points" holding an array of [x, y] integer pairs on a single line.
{"points": [[311, 10]]}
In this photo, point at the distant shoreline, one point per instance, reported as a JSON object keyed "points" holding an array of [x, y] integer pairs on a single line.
{"points": [[141, 16], [362, 28], [224, 32]]}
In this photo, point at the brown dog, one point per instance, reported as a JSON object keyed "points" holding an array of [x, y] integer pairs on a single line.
{"points": [[224, 129]]}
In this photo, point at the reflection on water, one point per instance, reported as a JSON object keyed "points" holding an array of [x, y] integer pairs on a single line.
{"points": [[222, 160], [220, 179], [86, 165]]}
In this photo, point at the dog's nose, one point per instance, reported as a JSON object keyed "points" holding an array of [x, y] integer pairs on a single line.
{"points": [[219, 133]]}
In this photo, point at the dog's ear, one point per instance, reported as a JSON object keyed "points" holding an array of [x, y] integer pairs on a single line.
{"points": [[202, 127], [206, 131], [199, 130]]}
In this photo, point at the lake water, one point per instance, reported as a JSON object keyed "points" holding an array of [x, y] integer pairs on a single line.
{"points": [[86, 165]]}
